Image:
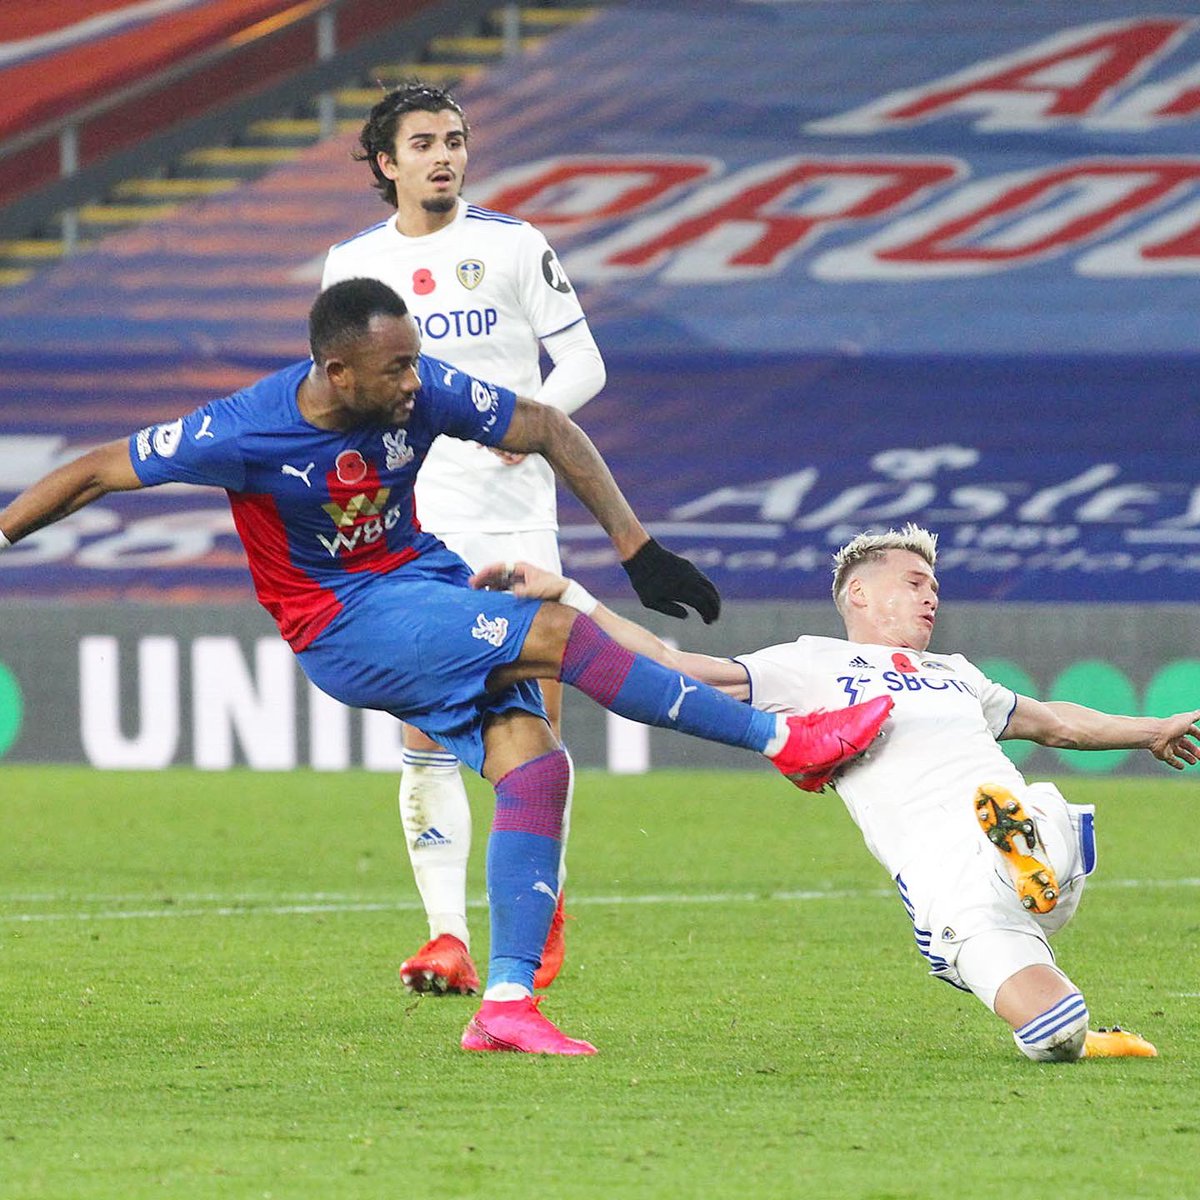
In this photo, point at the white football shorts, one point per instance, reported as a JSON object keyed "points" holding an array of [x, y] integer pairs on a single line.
{"points": [[967, 919], [478, 550]]}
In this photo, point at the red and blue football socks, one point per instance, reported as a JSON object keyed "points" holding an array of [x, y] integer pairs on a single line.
{"points": [[636, 687], [523, 856]]}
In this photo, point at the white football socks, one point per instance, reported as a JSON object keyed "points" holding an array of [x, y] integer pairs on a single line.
{"points": [[437, 831], [1058, 1034], [566, 821]]}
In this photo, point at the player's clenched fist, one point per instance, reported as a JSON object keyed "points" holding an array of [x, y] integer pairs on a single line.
{"points": [[666, 582]]}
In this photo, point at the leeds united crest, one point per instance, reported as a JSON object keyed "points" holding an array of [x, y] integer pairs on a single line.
{"points": [[470, 273]]}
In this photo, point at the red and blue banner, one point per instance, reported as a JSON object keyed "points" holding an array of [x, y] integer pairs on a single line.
{"points": [[850, 264]]}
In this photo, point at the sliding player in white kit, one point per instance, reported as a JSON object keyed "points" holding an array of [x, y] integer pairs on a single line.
{"points": [[987, 865], [486, 290]]}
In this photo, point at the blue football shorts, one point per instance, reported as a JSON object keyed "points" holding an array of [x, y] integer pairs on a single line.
{"points": [[420, 643]]}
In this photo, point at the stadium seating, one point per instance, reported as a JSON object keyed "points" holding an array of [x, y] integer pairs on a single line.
{"points": [[955, 288], [116, 75]]}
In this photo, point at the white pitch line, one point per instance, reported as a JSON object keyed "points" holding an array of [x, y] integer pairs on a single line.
{"points": [[168, 897], [253, 909], [308, 904], [274, 910], [1145, 883]]}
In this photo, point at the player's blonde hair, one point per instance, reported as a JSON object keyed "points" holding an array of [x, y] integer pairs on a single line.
{"points": [[871, 547]]}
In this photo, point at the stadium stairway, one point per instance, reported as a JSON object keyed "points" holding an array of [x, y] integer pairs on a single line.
{"points": [[270, 141]]}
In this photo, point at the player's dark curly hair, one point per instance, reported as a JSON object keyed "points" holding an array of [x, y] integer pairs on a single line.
{"points": [[378, 134], [342, 313]]}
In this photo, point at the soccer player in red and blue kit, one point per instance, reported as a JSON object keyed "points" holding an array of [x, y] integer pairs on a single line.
{"points": [[319, 461]]}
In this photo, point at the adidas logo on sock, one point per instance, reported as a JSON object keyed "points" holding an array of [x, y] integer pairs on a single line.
{"points": [[431, 837], [860, 663]]}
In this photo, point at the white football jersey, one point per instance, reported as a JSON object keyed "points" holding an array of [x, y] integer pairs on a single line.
{"points": [[484, 290], [913, 792]]}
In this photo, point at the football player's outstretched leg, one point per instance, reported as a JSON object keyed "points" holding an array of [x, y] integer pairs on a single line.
{"points": [[531, 775]]}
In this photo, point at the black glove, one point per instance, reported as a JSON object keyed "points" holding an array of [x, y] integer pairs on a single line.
{"points": [[665, 582]]}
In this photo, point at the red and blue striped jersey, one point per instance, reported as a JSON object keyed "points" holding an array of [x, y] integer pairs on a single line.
{"points": [[318, 511]]}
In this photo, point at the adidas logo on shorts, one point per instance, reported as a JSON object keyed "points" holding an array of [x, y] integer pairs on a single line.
{"points": [[431, 837]]}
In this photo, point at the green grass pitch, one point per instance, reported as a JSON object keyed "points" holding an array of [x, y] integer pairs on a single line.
{"points": [[198, 998]]}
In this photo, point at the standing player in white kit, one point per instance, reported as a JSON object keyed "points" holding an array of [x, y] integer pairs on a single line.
{"points": [[486, 290]]}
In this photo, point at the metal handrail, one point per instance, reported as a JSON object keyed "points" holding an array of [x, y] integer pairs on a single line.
{"points": [[327, 71]]}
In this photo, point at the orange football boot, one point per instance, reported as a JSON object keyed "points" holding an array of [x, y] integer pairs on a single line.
{"points": [[1011, 830]]}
